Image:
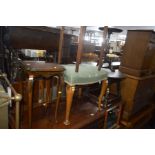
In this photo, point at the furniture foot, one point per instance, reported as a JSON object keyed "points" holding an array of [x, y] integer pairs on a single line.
{"points": [[67, 122], [69, 97]]}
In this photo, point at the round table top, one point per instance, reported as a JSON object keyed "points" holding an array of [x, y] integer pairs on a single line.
{"points": [[116, 75], [111, 30], [41, 66]]}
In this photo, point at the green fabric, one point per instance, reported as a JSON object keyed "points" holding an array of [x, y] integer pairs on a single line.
{"points": [[3, 96], [87, 74]]}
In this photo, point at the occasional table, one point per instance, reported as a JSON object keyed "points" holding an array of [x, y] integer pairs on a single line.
{"points": [[36, 69], [116, 77], [113, 104]]}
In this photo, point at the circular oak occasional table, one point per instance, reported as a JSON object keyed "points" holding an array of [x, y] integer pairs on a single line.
{"points": [[116, 77], [111, 30]]}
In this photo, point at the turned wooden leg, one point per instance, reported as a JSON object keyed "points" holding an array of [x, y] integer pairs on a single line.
{"points": [[102, 93], [41, 91], [48, 92], [29, 89], [119, 115], [105, 118], [79, 92], [69, 92], [59, 93]]}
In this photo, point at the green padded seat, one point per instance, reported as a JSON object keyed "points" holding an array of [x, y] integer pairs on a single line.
{"points": [[3, 93], [87, 74], [3, 108]]}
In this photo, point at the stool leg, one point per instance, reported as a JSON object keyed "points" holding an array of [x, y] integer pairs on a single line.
{"points": [[102, 93], [69, 92]]}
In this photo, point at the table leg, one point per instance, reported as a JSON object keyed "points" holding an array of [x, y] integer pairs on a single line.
{"points": [[105, 118], [79, 92], [30, 87], [118, 88], [69, 92], [17, 115], [119, 114], [41, 91], [102, 93], [48, 92], [59, 93]]}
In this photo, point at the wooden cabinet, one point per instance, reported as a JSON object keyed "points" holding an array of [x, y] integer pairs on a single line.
{"points": [[139, 53], [138, 62]]}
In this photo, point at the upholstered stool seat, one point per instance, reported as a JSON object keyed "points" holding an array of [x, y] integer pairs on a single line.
{"points": [[87, 74]]}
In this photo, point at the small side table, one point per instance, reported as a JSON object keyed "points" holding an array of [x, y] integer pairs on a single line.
{"points": [[36, 69], [114, 77]]}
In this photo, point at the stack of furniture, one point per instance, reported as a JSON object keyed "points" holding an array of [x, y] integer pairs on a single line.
{"points": [[138, 87]]}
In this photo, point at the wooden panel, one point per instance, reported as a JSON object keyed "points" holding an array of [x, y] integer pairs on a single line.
{"points": [[140, 119], [34, 37], [136, 94]]}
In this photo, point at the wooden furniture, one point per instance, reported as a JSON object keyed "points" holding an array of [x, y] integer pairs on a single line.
{"points": [[61, 41], [86, 75], [116, 78], [34, 37], [84, 114], [104, 47], [140, 119], [136, 92], [36, 70], [111, 30], [83, 74], [117, 108], [139, 53], [108, 57], [113, 103], [138, 64]]}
